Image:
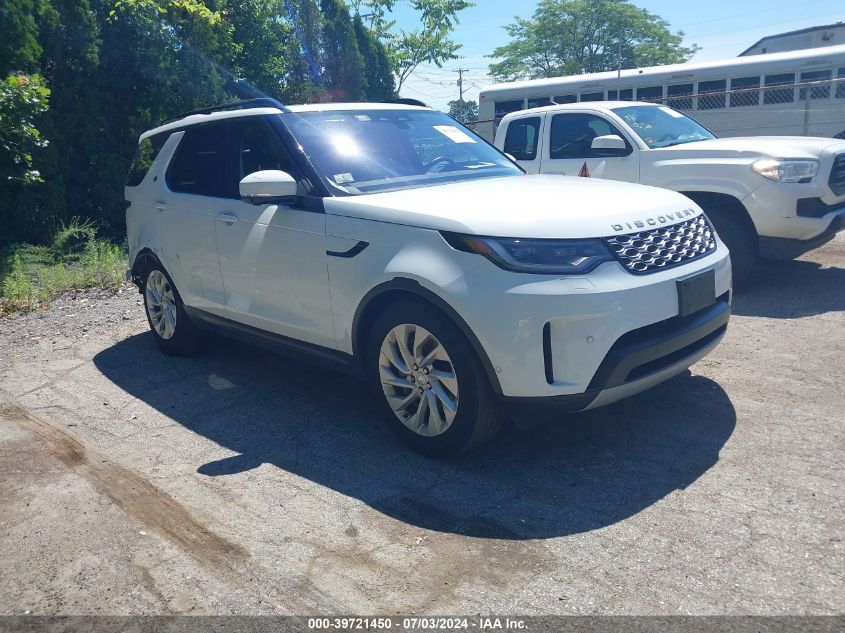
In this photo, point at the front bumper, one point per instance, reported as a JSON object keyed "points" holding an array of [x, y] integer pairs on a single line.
{"points": [[638, 360], [793, 218], [580, 342], [786, 248]]}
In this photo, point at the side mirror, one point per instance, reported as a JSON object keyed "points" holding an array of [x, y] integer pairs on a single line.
{"points": [[610, 145], [267, 187]]}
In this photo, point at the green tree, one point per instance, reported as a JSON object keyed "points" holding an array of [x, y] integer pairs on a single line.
{"points": [[19, 48], [463, 111], [343, 64], [22, 99], [567, 37], [264, 45], [381, 84], [431, 42]]}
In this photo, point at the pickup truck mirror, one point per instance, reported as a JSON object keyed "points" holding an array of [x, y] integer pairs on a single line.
{"points": [[267, 187], [610, 145]]}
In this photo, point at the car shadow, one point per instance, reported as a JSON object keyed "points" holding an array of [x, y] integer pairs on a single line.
{"points": [[791, 290], [586, 472]]}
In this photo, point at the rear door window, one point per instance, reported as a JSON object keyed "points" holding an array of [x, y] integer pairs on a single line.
{"points": [[521, 138], [199, 166]]}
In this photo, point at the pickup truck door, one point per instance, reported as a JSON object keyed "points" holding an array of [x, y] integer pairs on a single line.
{"points": [[566, 148]]}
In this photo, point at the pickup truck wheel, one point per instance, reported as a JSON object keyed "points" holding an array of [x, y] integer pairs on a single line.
{"points": [[429, 382], [741, 241], [173, 331]]}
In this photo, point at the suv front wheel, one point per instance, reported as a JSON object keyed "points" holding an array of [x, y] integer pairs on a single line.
{"points": [[429, 381], [174, 332]]}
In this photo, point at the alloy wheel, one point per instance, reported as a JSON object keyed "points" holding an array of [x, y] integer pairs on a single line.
{"points": [[161, 304], [418, 379]]}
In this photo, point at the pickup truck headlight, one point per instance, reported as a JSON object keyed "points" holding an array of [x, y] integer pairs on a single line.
{"points": [[541, 256], [787, 170]]}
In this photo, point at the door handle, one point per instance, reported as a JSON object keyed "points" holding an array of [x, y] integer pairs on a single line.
{"points": [[159, 205], [228, 218]]}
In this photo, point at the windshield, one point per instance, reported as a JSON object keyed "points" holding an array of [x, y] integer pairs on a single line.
{"points": [[661, 126], [367, 151]]}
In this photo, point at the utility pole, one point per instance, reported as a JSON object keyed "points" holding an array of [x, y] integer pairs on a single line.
{"points": [[460, 72]]}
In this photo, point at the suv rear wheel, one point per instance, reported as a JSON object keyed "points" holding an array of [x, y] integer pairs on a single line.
{"points": [[429, 381], [174, 332]]}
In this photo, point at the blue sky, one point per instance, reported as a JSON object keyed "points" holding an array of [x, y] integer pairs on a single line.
{"points": [[723, 28]]}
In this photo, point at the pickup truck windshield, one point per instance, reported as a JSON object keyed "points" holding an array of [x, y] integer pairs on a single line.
{"points": [[368, 151], [659, 126]]}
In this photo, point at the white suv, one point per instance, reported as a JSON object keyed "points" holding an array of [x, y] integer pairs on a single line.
{"points": [[391, 242], [768, 196]]}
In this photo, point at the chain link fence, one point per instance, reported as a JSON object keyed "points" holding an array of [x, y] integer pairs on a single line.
{"points": [[745, 107]]}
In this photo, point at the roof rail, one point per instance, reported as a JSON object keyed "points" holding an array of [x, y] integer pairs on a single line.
{"points": [[407, 101], [263, 102]]}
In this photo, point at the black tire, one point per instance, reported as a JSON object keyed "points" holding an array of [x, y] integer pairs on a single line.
{"points": [[478, 417], [741, 240], [186, 336]]}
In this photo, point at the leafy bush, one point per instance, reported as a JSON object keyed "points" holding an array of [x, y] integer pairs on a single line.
{"points": [[32, 276]]}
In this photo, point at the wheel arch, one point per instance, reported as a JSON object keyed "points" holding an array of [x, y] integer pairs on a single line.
{"points": [[141, 264], [714, 199], [401, 287]]}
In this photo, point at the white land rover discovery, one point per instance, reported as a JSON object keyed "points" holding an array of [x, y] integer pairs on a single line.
{"points": [[391, 242]]}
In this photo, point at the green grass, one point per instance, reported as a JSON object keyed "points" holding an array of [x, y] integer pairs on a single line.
{"points": [[32, 276]]}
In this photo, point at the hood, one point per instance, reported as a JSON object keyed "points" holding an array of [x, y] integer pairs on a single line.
{"points": [[523, 206], [757, 147]]}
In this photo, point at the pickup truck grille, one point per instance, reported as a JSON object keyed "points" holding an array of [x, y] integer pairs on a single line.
{"points": [[664, 247], [837, 175]]}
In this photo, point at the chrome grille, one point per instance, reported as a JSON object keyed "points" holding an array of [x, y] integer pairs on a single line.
{"points": [[837, 175], [664, 247]]}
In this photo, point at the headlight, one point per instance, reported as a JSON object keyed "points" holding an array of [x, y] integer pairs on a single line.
{"points": [[542, 256], [786, 170]]}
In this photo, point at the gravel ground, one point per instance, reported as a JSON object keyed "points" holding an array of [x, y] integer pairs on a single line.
{"points": [[240, 482]]}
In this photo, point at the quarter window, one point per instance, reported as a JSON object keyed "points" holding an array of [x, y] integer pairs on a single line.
{"points": [[742, 93], [711, 94], [572, 135], [199, 166], [147, 151], [521, 138], [779, 95], [680, 96], [821, 91]]}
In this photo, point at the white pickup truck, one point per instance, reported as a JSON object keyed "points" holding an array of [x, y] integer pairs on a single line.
{"points": [[774, 197]]}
